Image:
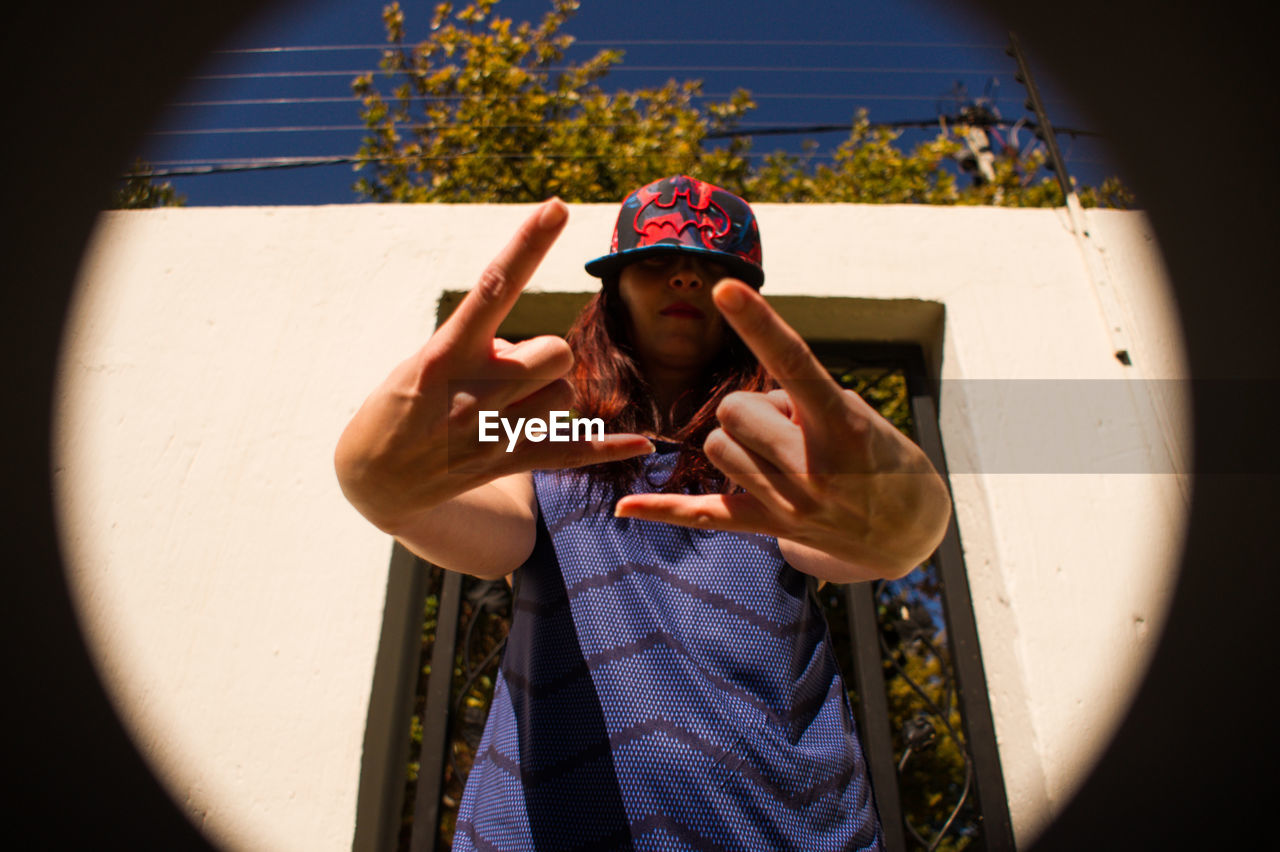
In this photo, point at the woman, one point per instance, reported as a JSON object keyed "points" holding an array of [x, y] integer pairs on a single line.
{"points": [[662, 686]]}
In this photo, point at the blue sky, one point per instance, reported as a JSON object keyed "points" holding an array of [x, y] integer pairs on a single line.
{"points": [[806, 62]]}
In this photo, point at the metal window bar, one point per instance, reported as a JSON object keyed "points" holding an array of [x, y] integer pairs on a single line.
{"points": [[455, 705], [436, 718], [387, 739]]}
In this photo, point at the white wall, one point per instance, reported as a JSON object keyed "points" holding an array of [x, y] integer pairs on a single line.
{"points": [[233, 599]]}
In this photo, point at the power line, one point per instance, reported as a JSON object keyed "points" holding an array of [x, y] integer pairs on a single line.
{"points": [[668, 42], [232, 165], [188, 168], [784, 130], [177, 168], [771, 69], [352, 99], [747, 128], [217, 131], [228, 166], [796, 43]]}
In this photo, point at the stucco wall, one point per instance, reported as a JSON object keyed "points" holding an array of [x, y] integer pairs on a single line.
{"points": [[234, 599]]}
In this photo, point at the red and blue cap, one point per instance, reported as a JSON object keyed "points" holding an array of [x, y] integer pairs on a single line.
{"points": [[684, 214]]}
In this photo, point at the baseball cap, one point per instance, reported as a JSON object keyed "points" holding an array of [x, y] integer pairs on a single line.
{"points": [[684, 214]]}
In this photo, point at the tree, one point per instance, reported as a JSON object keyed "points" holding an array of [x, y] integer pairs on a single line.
{"points": [[488, 110], [139, 192], [478, 113]]}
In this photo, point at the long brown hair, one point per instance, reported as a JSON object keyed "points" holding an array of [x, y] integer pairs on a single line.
{"points": [[609, 384]]}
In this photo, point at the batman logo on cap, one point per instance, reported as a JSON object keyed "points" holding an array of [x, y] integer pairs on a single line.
{"points": [[662, 218]]}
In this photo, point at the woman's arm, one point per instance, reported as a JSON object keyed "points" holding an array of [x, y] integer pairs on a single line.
{"points": [[487, 532], [846, 494], [411, 460]]}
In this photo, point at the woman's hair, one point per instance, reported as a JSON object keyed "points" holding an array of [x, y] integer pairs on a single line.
{"points": [[609, 384]]}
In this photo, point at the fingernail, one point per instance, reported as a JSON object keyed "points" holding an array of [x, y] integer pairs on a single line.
{"points": [[553, 213], [729, 298]]}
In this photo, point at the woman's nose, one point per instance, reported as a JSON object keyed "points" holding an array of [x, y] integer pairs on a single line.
{"points": [[686, 275]]}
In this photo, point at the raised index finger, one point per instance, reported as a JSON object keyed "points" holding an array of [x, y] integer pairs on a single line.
{"points": [[476, 319], [782, 352]]}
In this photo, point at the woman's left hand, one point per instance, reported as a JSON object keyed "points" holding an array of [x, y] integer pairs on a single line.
{"points": [[820, 469]]}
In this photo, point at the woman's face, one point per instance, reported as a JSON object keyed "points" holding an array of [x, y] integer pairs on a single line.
{"points": [[674, 325]]}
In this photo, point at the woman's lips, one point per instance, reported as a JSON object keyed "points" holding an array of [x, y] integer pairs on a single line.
{"points": [[682, 309]]}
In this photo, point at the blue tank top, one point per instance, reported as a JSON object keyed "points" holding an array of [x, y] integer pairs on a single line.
{"points": [[663, 688]]}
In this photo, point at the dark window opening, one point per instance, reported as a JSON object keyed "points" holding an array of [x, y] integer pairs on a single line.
{"points": [[908, 650]]}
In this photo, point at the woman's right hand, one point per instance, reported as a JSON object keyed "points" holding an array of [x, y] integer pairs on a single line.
{"points": [[413, 445]]}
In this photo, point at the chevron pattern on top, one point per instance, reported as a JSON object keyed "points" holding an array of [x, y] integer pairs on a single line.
{"points": [[663, 689]]}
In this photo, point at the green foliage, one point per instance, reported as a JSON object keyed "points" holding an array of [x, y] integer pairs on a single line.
{"points": [[867, 168], [139, 192], [477, 113], [885, 390], [486, 110]]}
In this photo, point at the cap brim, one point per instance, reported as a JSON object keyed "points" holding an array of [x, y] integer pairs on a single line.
{"points": [[611, 264]]}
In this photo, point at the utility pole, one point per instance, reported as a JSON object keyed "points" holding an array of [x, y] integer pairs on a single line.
{"points": [[1036, 105], [1113, 313]]}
